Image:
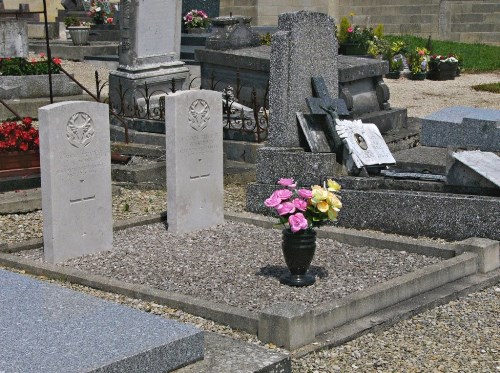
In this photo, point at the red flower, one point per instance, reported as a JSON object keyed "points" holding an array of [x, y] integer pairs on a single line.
{"points": [[27, 121], [57, 61], [42, 55]]}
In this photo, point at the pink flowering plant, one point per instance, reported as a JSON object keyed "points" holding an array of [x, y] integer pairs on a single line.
{"points": [[196, 19], [305, 208]]}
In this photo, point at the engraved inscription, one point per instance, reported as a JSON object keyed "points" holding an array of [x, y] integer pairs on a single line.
{"points": [[198, 170], [81, 196], [80, 130], [199, 114]]}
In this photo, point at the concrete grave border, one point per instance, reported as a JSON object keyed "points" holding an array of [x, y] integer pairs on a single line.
{"points": [[468, 266]]}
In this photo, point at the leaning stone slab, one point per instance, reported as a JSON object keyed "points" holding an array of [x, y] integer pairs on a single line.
{"points": [[462, 127], [75, 160], [48, 328], [194, 160], [475, 169]]}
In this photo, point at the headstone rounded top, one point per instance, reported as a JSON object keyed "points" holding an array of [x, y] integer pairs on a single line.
{"points": [[224, 21], [287, 21]]}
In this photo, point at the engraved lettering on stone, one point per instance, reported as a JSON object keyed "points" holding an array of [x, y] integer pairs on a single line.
{"points": [[80, 195], [125, 44], [80, 130], [199, 114]]}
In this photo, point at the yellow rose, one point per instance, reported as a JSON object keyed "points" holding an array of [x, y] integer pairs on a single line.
{"points": [[334, 201], [333, 186], [322, 206], [319, 195]]}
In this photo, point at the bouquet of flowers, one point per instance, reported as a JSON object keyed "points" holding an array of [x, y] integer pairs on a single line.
{"points": [[98, 12], [196, 19], [15, 136], [418, 60], [305, 208]]}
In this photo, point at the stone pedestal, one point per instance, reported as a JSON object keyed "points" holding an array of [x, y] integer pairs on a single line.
{"points": [[149, 52]]}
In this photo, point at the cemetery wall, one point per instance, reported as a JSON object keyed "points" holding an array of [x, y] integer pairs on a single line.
{"points": [[35, 6], [458, 20]]}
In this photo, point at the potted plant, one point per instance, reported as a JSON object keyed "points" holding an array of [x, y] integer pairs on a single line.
{"points": [[395, 56], [196, 21], [19, 154], [17, 66], [417, 61], [300, 211], [442, 68], [78, 30], [356, 40]]}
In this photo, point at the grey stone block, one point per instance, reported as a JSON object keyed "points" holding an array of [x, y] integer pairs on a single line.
{"points": [[462, 127], [474, 169], [36, 86], [287, 324], [448, 216], [487, 252], [305, 167], [47, 328]]}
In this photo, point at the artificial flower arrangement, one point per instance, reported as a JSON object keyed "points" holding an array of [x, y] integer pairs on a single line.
{"points": [[98, 12], [305, 208], [18, 136], [17, 66], [196, 19], [417, 60], [437, 59]]}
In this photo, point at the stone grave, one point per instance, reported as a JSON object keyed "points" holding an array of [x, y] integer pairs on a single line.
{"points": [[13, 38], [48, 328], [149, 52], [75, 161], [475, 169], [462, 127], [194, 160]]}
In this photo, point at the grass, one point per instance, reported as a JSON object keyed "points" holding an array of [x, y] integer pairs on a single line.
{"points": [[476, 57], [490, 87]]}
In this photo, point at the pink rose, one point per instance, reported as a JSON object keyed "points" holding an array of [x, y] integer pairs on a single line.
{"points": [[349, 30], [283, 194], [272, 201], [305, 193], [287, 183], [285, 208], [297, 222], [300, 204]]}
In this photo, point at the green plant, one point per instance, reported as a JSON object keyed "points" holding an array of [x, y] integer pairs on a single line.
{"points": [[342, 30], [35, 66], [71, 21], [126, 207]]}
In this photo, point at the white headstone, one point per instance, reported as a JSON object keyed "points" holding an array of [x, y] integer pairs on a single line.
{"points": [[365, 144], [195, 180], [75, 164]]}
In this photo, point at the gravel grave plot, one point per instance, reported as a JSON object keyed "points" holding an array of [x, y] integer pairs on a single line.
{"points": [[240, 265]]}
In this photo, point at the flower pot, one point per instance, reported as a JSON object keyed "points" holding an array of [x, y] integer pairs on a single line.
{"points": [[197, 30], [393, 74], [418, 76], [352, 49], [19, 163], [443, 71], [79, 35], [298, 250]]}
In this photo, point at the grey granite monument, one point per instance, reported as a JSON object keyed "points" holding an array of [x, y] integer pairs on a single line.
{"points": [[290, 85], [13, 38], [149, 52]]}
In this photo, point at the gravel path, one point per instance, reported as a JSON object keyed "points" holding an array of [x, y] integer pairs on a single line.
{"points": [[240, 264]]}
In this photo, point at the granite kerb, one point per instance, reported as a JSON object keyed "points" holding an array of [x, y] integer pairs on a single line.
{"points": [[327, 316]]}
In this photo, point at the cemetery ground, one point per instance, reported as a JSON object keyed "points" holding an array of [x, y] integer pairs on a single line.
{"points": [[461, 336]]}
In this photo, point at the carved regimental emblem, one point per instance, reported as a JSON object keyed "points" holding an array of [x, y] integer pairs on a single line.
{"points": [[199, 114], [80, 130]]}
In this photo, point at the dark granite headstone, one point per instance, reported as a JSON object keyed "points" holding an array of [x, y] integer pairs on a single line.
{"points": [[313, 128]]}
